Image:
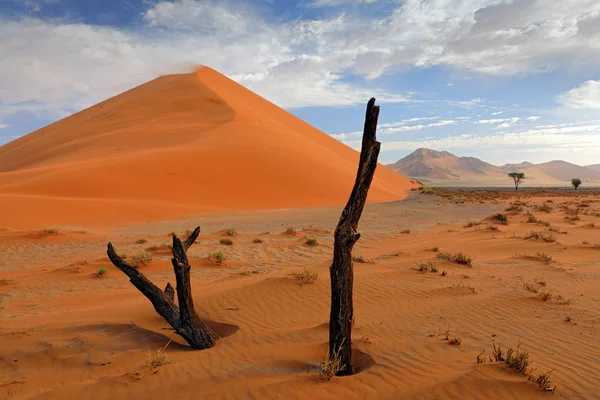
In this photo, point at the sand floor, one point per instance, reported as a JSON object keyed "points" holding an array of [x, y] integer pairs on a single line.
{"points": [[67, 333]]}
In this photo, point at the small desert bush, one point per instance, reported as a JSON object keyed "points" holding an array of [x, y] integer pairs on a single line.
{"points": [[331, 366], [290, 231], [51, 231], [455, 341], [591, 225], [141, 258], [158, 359], [101, 272], [517, 359], [547, 258], [444, 273], [361, 260], [572, 218], [226, 242], [218, 257], [311, 241], [141, 241], [541, 236], [458, 258], [433, 268], [423, 266], [493, 228], [530, 287], [257, 240], [546, 296], [472, 224], [230, 232], [500, 218], [5, 281], [405, 231], [543, 380], [306, 275], [544, 208]]}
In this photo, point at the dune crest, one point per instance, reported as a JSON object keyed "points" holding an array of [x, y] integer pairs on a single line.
{"points": [[175, 146]]}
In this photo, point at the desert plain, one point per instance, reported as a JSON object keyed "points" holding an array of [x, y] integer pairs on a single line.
{"points": [[441, 277]]}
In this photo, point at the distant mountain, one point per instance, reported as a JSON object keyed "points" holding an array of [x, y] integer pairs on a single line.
{"points": [[431, 164], [595, 167], [444, 168]]}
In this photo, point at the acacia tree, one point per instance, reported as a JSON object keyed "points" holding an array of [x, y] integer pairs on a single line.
{"points": [[341, 271], [517, 177], [575, 182]]}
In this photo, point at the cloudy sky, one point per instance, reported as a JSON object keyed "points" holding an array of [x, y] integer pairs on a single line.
{"points": [[503, 80]]}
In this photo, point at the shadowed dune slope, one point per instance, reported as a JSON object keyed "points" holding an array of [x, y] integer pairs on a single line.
{"points": [[178, 145]]}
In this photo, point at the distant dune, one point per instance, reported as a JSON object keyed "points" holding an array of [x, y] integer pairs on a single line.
{"points": [[175, 146], [595, 167], [446, 169]]}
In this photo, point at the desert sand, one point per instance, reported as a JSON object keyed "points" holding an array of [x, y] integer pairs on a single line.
{"points": [[69, 333]]}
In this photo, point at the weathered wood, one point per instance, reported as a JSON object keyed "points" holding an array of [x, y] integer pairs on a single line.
{"points": [[341, 271], [191, 326], [183, 319]]}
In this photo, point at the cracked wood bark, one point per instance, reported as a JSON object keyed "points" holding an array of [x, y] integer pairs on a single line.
{"points": [[341, 271], [183, 319]]}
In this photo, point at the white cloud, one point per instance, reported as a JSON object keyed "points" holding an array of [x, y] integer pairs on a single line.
{"points": [[497, 112], [581, 135], [335, 3], [2, 126], [66, 66], [584, 96], [419, 127], [504, 122], [533, 118]]}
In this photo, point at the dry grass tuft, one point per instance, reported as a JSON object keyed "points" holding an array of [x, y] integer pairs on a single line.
{"points": [[361, 260], [455, 341], [226, 242], [331, 366], [50, 231], [306, 276], [141, 258], [230, 232], [546, 295], [530, 287], [541, 236], [158, 359], [311, 241], [141, 241], [257, 240], [101, 272], [544, 208], [499, 218], [5, 281], [218, 257], [543, 380], [458, 258], [545, 257], [472, 224], [290, 231]]}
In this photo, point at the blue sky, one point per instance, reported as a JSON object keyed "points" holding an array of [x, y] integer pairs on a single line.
{"points": [[503, 80]]}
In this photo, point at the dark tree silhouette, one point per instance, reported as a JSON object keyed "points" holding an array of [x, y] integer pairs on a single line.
{"points": [[517, 177], [341, 271], [575, 182], [183, 319]]}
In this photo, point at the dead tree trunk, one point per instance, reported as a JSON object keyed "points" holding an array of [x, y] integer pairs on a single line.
{"points": [[184, 319], [341, 271]]}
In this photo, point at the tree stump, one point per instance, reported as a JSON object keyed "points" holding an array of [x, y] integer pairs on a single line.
{"points": [[183, 319], [341, 271]]}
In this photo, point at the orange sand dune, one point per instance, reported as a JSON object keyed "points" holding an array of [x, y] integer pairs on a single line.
{"points": [[175, 146]]}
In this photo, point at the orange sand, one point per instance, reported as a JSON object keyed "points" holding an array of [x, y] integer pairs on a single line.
{"points": [[178, 145], [68, 334]]}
